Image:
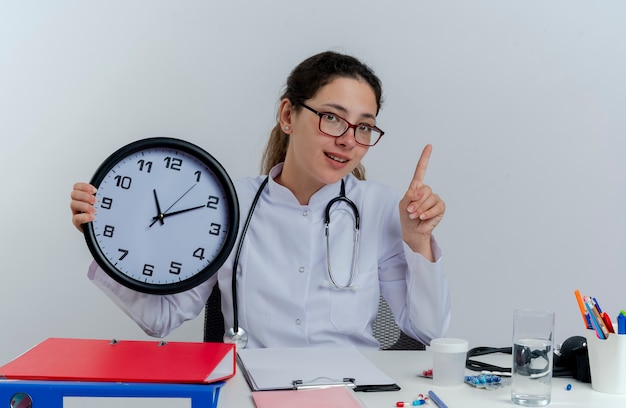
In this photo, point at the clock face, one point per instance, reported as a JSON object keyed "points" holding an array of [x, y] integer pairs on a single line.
{"points": [[166, 218]]}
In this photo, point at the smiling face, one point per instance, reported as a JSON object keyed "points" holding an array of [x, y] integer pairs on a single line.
{"points": [[314, 159]]}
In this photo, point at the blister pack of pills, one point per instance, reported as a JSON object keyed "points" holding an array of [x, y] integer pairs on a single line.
{"points": [[487, 381]]}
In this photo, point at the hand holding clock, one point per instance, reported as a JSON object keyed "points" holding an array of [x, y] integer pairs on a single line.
{"points": [[82, 204], [124, 192]]}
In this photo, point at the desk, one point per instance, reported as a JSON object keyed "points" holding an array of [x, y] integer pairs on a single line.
{"points": [[404, 366]]}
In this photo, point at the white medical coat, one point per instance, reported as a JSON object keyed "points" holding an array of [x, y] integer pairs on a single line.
{"points": [[284, 294]]}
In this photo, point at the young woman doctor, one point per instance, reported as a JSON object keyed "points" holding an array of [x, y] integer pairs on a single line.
{"points": [[295, 288]]}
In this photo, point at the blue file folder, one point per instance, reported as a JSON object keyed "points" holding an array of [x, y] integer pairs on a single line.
{"points": [[51, 394]]}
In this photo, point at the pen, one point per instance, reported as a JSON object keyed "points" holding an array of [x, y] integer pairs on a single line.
{"points": [[583, 311], [621, 324], [607, 321], [436, 399], [597, 305], [597, 321]]}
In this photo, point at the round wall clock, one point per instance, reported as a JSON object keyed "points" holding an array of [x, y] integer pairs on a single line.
{"points": [[166, 218]]}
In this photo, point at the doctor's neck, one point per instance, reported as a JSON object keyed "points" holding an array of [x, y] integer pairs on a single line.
{"points": [[302, 190]]}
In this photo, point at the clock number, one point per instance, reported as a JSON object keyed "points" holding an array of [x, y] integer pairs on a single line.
{"points": [[215, 229], [175, 268], [106, 203], [108, 231], [148, 269], [123, 182], [173, 163], [213, 202], [147, 164], [198, 173], [124, 253], [199, 253]]}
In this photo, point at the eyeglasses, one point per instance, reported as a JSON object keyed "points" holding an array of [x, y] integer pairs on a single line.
{"points": [[334, 125]]}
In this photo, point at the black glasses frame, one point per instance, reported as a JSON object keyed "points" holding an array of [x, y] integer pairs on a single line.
{"points": [[350, 125]]}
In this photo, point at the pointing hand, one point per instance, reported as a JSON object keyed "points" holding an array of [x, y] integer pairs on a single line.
{"points": [[420, 209]]}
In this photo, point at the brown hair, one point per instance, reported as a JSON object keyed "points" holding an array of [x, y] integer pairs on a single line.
{"points": [[302, 84]]}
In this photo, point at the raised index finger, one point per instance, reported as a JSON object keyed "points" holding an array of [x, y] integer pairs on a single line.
{"points": [[422, 165]]}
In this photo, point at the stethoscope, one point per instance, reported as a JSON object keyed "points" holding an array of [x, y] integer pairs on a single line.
{"points": [[236, 334]]}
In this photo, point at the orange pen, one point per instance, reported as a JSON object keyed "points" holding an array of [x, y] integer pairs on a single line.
{"points": [[583, 310]]}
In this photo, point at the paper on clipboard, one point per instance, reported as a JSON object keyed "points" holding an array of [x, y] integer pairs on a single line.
{"points": [[335, 397], [279, 368]]}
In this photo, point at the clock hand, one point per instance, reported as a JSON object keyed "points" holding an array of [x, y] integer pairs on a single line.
{"points": [[179, 198], [159, 216]]}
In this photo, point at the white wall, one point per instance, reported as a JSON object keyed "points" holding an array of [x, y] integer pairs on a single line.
{"points": [[524, 102]]}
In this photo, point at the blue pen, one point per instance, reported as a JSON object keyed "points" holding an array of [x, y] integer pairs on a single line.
{"points": [[621, 324], [594, 321], [436, 400], [597, 305]]}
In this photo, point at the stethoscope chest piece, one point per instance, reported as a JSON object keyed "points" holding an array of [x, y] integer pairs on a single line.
{"points": [[239, 339]]}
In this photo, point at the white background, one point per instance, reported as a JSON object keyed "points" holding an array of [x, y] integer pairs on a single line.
{"points": [[524, 102]]}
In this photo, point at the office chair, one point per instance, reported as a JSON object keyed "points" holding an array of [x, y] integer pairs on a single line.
{"points": [[213, 319], [385, 329], [389, 334]]}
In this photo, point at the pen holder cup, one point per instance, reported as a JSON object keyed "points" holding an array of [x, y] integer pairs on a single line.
{"points": [[607, 363]]}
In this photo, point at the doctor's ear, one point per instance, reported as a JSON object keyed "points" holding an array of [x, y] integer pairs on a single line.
{"points": [[286, 111]]}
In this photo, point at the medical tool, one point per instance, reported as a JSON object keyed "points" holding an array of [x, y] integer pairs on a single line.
{"points": [[236, 334]]}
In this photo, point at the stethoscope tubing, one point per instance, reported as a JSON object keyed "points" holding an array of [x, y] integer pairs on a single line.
{"points": [[239, 246], [355, 240], [235, 331]]}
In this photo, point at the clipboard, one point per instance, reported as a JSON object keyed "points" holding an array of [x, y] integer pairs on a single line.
{"points": [[132, 361], [268, 369]]}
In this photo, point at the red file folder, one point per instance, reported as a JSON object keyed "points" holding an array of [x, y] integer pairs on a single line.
{"points": [[124, 361]]}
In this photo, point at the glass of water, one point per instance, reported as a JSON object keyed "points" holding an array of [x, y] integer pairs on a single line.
{"points": [[533, 334]]}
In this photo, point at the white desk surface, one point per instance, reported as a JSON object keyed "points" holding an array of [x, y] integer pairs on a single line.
{"points": [[404, 367]]}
